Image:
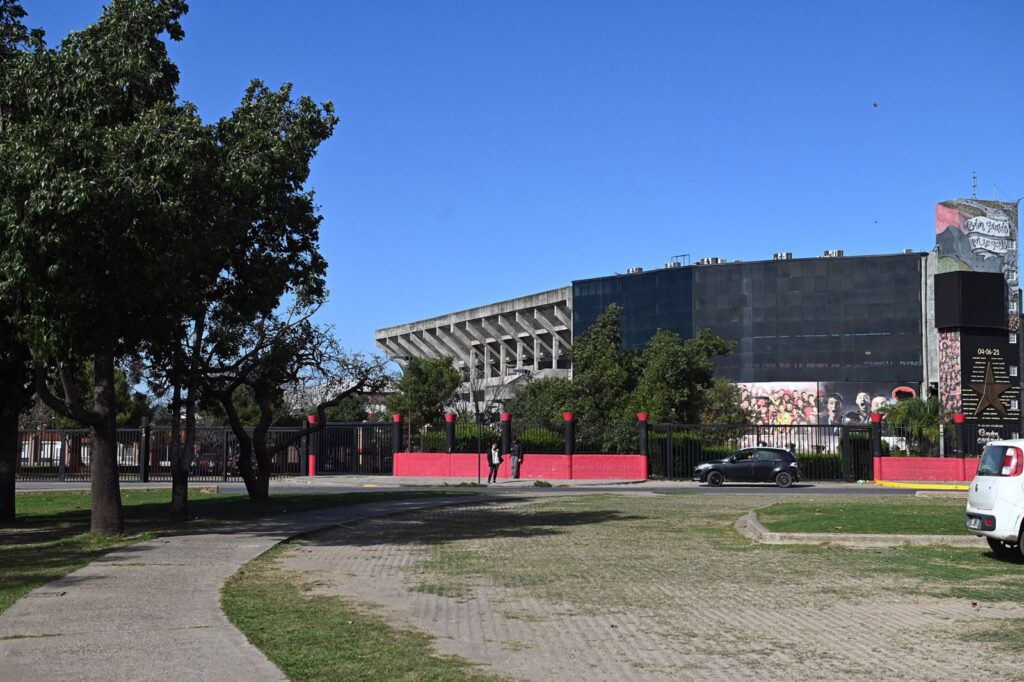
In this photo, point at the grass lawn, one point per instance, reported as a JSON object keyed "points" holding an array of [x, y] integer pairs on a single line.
{"points": [[884, 515], [322, 638], [50, 538]]}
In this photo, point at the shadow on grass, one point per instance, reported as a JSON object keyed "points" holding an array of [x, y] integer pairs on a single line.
{"points": [[477, 525], [205, 511]]}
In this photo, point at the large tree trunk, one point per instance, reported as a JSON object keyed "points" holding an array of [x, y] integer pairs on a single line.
{"points": [[179, 477], [107, 514], [10, 443]]}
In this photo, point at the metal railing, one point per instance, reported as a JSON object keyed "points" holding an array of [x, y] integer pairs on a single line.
{"points": [[338, 448]]}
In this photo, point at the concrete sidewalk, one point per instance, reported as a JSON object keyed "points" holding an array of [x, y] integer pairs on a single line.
{"points": [[151, 611]]}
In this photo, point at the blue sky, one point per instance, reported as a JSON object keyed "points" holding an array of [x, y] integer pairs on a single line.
{"points": [[489, 150]]}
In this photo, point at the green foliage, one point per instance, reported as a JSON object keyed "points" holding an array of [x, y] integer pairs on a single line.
{"points": [[351, 409], [426, 388], [671, 380], [433, 440], [542, 401], [720, 404], [132, 405], [916, 420], [248, 409]]}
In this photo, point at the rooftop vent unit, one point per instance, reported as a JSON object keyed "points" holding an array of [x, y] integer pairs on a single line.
{"points": [[673, 264], [834, 253], [711, 260], [634, 271], [783, 255], [908, 251]]}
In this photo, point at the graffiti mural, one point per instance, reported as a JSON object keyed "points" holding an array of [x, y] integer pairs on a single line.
{"points": [[838, 403], [851, 404], [949, 370], [781, 402], [980, 236]]}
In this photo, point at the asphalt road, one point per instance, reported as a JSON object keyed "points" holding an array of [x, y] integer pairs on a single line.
{"points": [[365, 483]]}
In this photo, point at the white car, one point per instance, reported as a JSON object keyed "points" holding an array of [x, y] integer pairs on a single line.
{"points": [[995, 501]]}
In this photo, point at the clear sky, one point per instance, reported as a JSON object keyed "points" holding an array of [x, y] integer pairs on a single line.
{"points": [[489, 150]]}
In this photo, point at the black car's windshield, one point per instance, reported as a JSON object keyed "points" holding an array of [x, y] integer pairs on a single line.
{"points": [[991, 463]]}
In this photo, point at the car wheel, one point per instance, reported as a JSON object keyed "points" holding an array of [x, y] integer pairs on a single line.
{"points": [[1002, 548], [784, 479], [715, 479]]}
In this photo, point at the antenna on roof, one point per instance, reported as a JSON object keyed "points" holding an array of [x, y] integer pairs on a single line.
{"points": [[684, 256], [974, 185]]}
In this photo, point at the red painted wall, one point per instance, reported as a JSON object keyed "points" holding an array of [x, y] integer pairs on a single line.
{"points": [[925, 468], [464, 465]]}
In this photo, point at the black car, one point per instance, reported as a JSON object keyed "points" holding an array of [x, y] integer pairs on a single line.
{"points": [[751, 465]]}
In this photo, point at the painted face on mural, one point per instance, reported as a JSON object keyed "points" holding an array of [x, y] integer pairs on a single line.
{"points": [[878, 403], [863, 401], [834, 407]]}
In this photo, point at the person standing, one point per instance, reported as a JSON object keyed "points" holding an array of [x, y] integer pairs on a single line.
{"points": [[516, 450], [493, 461]]}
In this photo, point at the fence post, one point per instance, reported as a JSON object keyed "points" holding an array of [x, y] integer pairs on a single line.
{"points": [[506, 432], [37, 448], [311, 456], [449, 432], [845, 444], [396, 433], [876, 434], [62, 461], [226, 461], [641, 418], [144, 452], [961, 440], [570, 437]]}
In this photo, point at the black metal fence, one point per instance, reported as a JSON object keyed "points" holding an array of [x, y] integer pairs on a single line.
{"points": [[343, 448], [825, 452]]}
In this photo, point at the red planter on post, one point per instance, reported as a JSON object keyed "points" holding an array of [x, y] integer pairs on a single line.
{"points": [[449, 432]]}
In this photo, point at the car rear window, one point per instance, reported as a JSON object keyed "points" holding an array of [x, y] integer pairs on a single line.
{"points": [[991, 463]]}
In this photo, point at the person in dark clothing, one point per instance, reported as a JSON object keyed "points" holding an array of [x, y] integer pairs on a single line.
{"points": [[516, 450], [493, 461]]}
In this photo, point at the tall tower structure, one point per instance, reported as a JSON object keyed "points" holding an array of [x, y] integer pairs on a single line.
{"points": [[977, 314]]}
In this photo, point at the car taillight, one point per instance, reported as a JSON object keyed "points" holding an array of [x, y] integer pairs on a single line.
{"points": [[1013, 462]]}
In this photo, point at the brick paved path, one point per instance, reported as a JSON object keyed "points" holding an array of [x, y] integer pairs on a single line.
{"points": [[725, 629]]}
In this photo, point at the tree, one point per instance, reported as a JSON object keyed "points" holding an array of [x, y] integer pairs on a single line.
{"points": [[670, 379], [280, 357], [542, 401], [132, 405], [15, 374], [721, 405], [916, 420], [604, 378], [109, 179], [426, 388], [676, 375], [268, 225]]}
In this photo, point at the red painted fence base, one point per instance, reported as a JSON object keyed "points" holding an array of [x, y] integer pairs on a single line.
{"points": [[561, 467], [925, 468]]}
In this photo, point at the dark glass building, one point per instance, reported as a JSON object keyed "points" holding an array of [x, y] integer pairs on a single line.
{"points": [[804, 328], [850, 319]]}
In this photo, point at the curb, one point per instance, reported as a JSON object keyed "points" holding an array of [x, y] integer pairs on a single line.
{"points": [[748, 526], [924, 486]]}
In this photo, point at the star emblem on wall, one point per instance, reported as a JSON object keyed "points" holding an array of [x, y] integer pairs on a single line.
{"points": [[989, 392]]}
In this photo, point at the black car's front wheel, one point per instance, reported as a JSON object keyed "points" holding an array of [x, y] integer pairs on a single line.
{"points": [[784, 479], [715, 478]]}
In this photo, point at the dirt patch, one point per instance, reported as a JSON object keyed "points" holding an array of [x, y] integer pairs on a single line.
{"points": [[657, 588]]}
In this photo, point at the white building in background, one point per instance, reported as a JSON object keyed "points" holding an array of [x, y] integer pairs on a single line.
{"points": [[496, 345]]}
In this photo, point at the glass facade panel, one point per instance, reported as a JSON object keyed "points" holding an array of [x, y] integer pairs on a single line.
{"points": [[852, 319]]}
